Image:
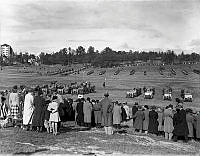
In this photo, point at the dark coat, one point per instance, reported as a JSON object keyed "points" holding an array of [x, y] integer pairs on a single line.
{"points": [[39, 112], [80, 115], [107, 109], [134, 110], [139, 117], [123, 114], [180, 124], [153, 122], [198, 126]]}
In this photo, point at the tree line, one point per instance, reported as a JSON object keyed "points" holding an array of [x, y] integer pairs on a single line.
{"points": [[106, 58]]}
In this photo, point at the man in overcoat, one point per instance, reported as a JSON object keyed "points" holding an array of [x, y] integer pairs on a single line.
{"points": [[180, 124], [107, 112]]}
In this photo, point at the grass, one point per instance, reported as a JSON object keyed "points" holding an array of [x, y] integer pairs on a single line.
{"points": [[79, 140]]}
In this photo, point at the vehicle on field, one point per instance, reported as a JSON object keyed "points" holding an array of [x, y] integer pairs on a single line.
{"points": [[196, 71], [102, 72], [173, 71], [185, 72], [149, 93], [117, 72], [167, 94], [187, 97], [90, 72], [132, 72], [134, 93]]}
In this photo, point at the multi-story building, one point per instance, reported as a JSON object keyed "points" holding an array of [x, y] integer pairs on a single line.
{"points": [[6, 50]]}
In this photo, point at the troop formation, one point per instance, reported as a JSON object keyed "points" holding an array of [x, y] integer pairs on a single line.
{"points": [[36, 109]]}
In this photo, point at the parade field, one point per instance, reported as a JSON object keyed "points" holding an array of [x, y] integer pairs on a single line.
{"points": [[79, 140]]}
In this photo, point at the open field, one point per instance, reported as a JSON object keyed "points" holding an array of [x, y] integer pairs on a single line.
{"points": [[78, 140], [118, 85]]}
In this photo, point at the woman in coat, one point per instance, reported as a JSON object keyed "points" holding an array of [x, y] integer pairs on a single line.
{"points": [[139, 117], [38, 116], [117, 115], [180, 124], [190, 123], [168, 122], [28, 110], [153, 121], [87, 111], [146, 119]]}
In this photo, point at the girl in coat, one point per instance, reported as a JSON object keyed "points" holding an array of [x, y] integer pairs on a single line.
{"points": [[168, 122], [54, 115]]}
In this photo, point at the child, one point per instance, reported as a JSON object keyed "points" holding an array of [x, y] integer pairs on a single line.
{"points": [[54, 115]]}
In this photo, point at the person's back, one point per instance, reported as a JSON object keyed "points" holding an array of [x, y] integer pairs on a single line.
{"points": [[106, 103]]}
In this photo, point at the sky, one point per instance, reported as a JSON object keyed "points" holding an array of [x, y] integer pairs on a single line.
{"points": [[50, 25]]}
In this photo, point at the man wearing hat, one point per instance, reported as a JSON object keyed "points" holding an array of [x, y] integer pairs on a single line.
{"points": [[180, 123], [107, 109], [28, 110]]}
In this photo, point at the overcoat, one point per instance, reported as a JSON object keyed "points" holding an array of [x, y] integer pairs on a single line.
{"points": [[198, 126], [97, 113], [39, 112], [123, 114], [134, 110], [153, 122], [168, 120], [28, 109], [87, 111], [180, 124], [106, 109], [190, 123], [139, 117], [160, 121], [80, 115], [146, 120], [117, 114]]}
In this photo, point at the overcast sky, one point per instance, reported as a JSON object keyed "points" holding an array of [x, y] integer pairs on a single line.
{"points": [[49, 25]]}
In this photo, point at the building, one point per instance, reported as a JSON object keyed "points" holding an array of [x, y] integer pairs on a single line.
{"points": [[155, 61], [6, 50]]}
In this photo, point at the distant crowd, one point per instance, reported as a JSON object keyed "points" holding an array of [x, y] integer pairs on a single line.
{"points": [[35, 109]]}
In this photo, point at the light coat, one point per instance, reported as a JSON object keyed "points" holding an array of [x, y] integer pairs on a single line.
{"points": [[146, 120], [28, 109], [117, 114], [106, 109], [168, 120], [87, 111], [190, 122]]}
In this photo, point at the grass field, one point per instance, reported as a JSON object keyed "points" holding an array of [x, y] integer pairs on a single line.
{"points": [[118, 85], [80, 141]]}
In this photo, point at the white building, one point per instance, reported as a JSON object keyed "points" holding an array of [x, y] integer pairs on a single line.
{"points": [[6, 50]]}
